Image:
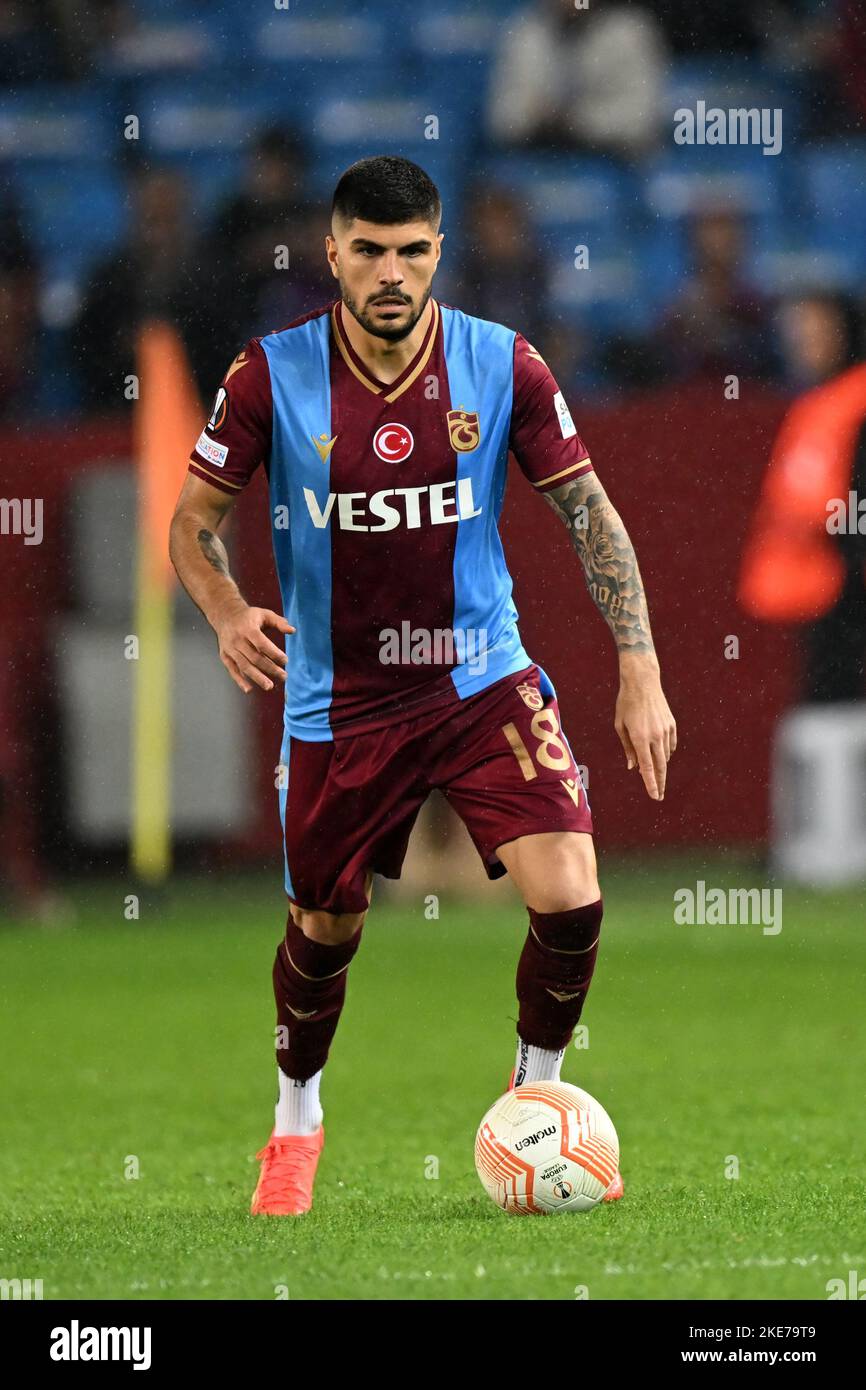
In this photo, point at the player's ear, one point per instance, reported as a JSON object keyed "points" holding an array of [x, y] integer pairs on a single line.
{"points": [[331, 253]]}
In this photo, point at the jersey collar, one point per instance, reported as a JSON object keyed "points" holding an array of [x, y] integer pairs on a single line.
{"points": [[389, 390]]}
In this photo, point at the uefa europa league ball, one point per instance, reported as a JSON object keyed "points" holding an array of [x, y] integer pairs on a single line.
{"points": [[547, 1146]]}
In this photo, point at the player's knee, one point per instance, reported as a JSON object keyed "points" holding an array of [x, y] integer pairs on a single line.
{"points": [[331, 929], [575, 886], [555, 872]]}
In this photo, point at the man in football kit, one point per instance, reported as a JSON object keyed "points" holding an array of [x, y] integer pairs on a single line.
{"points": [[384, 422]]}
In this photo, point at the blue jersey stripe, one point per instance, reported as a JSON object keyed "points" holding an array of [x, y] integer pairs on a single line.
{"points": [[479, 358], [299, 362], [285, 764]]}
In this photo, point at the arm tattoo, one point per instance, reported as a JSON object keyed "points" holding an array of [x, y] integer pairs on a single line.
{"points": [[214, 551], [608, 560]]}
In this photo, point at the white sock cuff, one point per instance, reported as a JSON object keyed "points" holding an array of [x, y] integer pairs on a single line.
{"points": [[536, 1063], [298, 1110]]}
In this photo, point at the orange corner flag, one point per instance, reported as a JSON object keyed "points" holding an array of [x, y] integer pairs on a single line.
{"points": [[167, 417]]}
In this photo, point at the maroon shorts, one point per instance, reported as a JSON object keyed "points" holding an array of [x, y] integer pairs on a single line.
{"points": [[499, 757]]}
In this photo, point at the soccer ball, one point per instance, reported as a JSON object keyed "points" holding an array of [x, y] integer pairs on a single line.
{"points": [[547, 1146]]}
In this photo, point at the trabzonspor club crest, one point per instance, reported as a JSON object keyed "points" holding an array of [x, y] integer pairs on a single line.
{"points": [[464, 430], [531, 695]]}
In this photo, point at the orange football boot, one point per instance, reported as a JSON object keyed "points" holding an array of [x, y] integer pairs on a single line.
{"points": [[285, 1185], [616, 1189]]}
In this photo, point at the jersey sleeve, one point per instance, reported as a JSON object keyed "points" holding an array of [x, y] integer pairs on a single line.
{"points": [[237, 435], [543, 437]]}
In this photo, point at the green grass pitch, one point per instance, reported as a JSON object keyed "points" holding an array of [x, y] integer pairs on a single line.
{"points": [[149, 1042]]}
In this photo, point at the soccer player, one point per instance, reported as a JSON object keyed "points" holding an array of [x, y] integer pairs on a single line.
{"points": [[384, 423]]}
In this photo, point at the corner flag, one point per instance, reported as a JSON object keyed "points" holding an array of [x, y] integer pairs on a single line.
{"points": [[167, 417]]}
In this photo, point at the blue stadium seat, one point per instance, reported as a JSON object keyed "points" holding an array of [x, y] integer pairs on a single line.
{"points": [[574, 197], [193, 126], [197, 117], [456, 12], [346, 130], [74, 214], [54, 122], [677, 178], [145, 10], [300, 37], [167, 37], [610, 296], [833, 179], [455, 49]]}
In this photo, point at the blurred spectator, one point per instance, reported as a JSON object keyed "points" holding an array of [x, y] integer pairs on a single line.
{"points": [[18, 314], [55, 40], [28, 49], [819, 334], [157, 271], [797, 567], [568, 348], [502, 274], [718, 323], [271, 210], [823, 47], [737, 26], [849, 60], [581, 79]]}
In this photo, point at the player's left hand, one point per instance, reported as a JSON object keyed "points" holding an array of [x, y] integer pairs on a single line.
{"points": [[644, 723]]}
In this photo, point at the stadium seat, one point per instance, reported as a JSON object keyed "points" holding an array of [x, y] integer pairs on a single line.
{"points": [[579, 201], [193, 128], [609, 295], [167, 37], [576, 195], [195, 117], [454, 50], [297, 38], [833, 179], [74, 214], [345, 130], [54, 121]]}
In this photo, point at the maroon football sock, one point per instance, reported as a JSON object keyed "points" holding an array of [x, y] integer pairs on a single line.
{"points": [[554, 973], [309, 987]]}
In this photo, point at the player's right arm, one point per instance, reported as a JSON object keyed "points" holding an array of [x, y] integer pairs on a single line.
{"points": [[235, 440], [202, 566]]}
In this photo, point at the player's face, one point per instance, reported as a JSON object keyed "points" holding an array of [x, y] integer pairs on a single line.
{"points": [[385, 273]]}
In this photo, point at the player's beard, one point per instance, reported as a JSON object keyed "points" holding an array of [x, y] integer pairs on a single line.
{"points": [[391, 335]]}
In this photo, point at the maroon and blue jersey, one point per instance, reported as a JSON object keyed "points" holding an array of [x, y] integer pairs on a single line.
{"points": [[385, 502]]}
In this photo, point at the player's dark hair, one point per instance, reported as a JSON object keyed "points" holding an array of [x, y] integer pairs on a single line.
{"points": [[389, 190]]}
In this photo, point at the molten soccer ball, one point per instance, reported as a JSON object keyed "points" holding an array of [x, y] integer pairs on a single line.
{"points": [[547, 1146]]}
